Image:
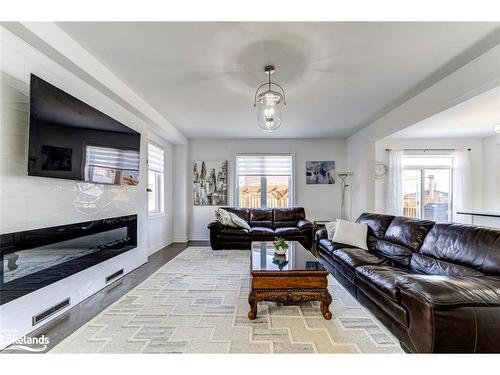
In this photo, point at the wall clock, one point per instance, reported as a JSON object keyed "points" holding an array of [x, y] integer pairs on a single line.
{"points": [[381, 169]]}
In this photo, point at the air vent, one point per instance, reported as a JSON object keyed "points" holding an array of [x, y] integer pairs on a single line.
{"points": [[50, 311], [114, 275]]}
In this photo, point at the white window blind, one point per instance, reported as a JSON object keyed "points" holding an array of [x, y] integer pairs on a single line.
{"points": [[264, 165], [155, 158], [114, 158]]}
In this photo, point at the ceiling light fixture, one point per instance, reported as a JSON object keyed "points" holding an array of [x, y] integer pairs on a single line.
{"points": [[497, 128], [269, 103]]}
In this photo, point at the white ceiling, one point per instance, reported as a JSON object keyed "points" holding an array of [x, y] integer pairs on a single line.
{"points": [[338, 77], [474, 118]]}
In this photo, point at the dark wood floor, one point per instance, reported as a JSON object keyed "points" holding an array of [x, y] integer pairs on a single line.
{"points": [[64, 325]]}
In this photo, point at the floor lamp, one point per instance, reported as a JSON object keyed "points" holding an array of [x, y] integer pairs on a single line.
{"points": [[343, 194]]}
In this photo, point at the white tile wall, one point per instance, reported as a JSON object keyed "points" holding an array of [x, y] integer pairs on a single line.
{"points": [[36, 202]]}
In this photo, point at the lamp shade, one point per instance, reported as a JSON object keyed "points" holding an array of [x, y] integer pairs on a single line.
{"points": [[270, 110]]}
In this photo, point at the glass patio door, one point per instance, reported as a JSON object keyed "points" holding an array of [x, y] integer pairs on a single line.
{"points": [[437, 195], [412, 183], [427, 193]]}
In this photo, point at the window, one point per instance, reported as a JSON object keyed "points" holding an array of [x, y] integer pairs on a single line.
{"points": [[155, 179], [264, 180], [427, 187]]}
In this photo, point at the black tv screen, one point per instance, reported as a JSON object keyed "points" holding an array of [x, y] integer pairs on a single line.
{"points": [[72, 140]]}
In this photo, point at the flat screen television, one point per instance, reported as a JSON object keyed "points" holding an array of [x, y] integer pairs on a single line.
{"points": [[70, 139]]}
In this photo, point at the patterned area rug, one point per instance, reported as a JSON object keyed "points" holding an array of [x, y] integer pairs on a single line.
{"points": [[197, 303]]}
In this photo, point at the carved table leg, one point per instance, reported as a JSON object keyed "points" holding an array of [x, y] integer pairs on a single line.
{"points": [[326, 300], [252, 314]]}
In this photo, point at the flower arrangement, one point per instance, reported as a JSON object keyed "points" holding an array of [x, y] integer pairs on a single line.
{"points": [[280, 245]]}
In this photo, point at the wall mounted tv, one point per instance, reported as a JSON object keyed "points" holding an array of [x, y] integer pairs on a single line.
{"points": [[70, 139]]}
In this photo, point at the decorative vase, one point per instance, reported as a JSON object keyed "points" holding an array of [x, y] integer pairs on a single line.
{"points": [[280, 250]]}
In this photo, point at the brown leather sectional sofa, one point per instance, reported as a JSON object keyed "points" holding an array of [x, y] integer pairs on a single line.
{"points": [[435, 286], [266, 224]]}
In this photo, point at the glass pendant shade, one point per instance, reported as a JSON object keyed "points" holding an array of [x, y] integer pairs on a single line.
{"points": [[269, 103], [270, 110]]}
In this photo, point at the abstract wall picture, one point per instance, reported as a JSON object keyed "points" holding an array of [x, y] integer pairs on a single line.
{"points": [[320, 172], [210, 182]]}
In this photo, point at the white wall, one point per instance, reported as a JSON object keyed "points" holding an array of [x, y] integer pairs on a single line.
{"points": [[360, 154], [476, 159], [474, 78], [160, 227], [182, 181], [321, 202], [491, 174], [36, 202]]}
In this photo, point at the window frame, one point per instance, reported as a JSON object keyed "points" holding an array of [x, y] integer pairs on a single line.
{"points": [[159, 182], [263, 181]]}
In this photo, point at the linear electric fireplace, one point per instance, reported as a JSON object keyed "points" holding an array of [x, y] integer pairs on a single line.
{"points": [[36, 258]]}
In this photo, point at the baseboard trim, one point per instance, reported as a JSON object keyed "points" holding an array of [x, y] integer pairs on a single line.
{"points": [[180, 239], [159, 248]]}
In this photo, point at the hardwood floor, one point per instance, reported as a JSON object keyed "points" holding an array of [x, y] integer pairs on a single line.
{"points": [[60, 328]]}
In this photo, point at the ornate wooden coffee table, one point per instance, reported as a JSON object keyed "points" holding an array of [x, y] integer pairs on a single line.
{"points": [[294, 277]]}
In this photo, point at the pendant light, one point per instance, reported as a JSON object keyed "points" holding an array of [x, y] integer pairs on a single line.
{"points": [[269, 103]]}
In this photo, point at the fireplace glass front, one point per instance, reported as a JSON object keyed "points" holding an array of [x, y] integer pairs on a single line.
{"points": [[36, 258]]}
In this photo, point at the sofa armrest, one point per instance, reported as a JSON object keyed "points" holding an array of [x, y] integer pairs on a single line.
{"points": [[452, 291], [305, 224], [215, 225], [321, 234], [451, 314]]}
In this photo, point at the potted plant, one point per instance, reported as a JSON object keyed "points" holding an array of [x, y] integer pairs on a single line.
{"points": [[280, 246]]}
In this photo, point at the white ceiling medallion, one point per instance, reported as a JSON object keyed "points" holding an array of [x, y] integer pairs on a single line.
{"points": [[497, 128], [269, 103]]}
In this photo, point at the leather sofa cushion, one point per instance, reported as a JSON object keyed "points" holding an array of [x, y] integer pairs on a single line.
{"points": [[266, 224], [261, 231], [230, 231], [382, 278], [289, 214], [371, 242], [243, 213], [397, 253], [284, 224], [355, 257], [371, 297], [443, 292], [408, 232], [430, 266], [288, 231], [327, 246], [468, 245], [261, 217], [377, 223]]}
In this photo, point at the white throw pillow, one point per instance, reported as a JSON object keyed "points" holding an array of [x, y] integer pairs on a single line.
{"points": [[224, 218], [330, 229], [238, 221], [349, 233]]}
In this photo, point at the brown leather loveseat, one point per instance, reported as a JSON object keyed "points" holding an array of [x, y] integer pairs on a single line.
{"points": [[436, 286], [266, 224]]}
